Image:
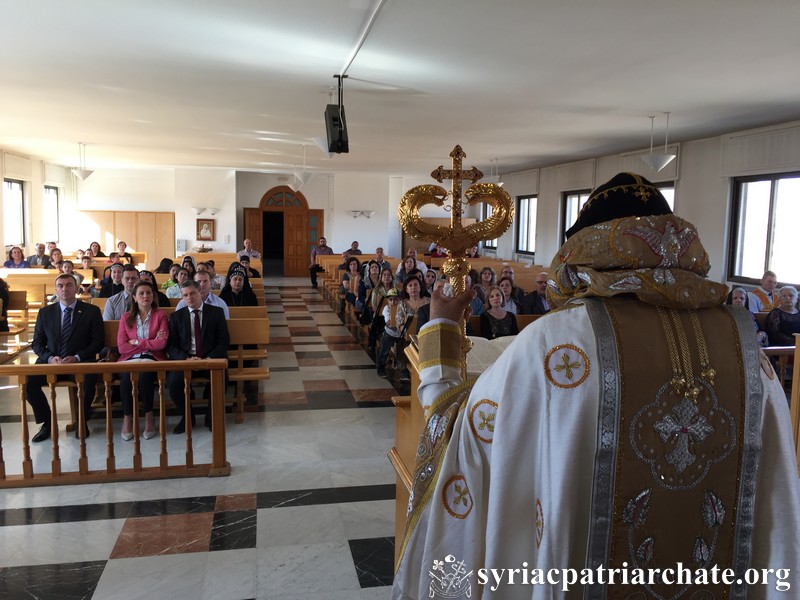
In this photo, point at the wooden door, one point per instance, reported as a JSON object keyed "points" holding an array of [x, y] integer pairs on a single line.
{"points": [[145, 237], [125, 231], [296, 256], [252, 228], [164, 243]]}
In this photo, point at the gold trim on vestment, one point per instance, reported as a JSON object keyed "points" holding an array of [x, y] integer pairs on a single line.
{"points": [[431, 450], [680, 441], [659, 259], [442, 345]]}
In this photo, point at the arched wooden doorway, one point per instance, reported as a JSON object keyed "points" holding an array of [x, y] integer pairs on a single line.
{"points": [[301, 228]]}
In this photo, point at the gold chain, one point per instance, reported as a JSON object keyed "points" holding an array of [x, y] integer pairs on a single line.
{"points": [[684, 344], [706, 371], [678, 382], [682, 373]]}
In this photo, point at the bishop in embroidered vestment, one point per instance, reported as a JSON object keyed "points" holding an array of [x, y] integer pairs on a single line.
{"points": [[636, 425]]}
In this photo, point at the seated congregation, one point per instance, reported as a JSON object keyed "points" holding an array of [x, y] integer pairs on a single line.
{"points": [[147, 328]]}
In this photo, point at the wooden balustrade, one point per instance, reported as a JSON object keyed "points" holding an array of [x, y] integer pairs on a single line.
{"points": [[219, 465]]}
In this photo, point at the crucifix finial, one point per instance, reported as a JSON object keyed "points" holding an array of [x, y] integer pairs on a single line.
{"points": [[457, 175]]}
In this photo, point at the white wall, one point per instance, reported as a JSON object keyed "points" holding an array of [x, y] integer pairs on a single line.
{"points": [[112, 189], [206, 188], [702, 174], [338, 194]]}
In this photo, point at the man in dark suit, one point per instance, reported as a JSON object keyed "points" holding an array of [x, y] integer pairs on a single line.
{"points": [[185, 324], [535, 303], [69, 331]]}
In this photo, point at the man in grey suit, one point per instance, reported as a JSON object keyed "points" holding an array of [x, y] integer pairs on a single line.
{"points": [[69, 331], [40, 259]]}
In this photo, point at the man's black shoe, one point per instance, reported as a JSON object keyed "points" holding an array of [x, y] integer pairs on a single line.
{"points": [[181, 426], [43, 433]]}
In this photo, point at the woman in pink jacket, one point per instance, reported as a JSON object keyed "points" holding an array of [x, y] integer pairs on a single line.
{"points": [[142, 336]]}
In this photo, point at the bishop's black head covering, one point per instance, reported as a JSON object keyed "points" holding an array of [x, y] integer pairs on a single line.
{"points": [[625, 195]]}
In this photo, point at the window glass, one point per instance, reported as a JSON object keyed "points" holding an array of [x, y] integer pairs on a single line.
{"points": [[13, 217], [50, 214], [765, 212], [487, 212], [526, 224]]}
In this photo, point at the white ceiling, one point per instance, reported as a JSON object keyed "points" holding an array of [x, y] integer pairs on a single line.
{"points": [[243, 83]]}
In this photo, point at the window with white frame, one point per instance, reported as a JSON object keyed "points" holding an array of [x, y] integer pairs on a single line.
{"points": [[572, 203], [487, 212], [765, 211], [50, 213], [526, 224], [13, 213]]}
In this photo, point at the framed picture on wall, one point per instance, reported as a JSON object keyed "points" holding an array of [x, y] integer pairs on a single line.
{"points": [[206, 230]]}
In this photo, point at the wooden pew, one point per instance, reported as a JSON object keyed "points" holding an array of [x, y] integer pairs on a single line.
{"points": [[17, 302], [247, 312], [244, 333]]}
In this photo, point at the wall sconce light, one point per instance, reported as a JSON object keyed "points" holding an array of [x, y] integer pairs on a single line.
{"points": [[212, 211], [198, 210], [362, 213]]}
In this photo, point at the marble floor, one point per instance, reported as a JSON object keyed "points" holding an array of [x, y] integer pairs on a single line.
{"points": [[307, 512]]}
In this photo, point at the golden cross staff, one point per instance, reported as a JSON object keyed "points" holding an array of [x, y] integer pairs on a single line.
{"points": [[456, 239]]}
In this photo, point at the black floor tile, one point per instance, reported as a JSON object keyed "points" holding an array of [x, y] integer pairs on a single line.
{"points": [[68, 581], [314, 354], [233, 530], [173, 506], [375, 404], [331, 399], [85, 512], [283, 369], [360, 493], [20, 516], [374, 561]]}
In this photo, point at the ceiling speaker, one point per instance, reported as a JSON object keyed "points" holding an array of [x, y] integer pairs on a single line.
{"points": [[336, 128]]}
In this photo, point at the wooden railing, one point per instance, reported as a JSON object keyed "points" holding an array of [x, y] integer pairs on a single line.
{"points": [[219, 465]]}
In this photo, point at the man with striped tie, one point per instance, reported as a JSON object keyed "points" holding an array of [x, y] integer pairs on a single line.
{"points": [[68, 331]]}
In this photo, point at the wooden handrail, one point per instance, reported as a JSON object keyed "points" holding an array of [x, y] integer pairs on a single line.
{"points": [[219, 465]]}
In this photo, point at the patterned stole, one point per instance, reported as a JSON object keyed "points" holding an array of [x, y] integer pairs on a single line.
{"points": [[438, 345], [678, 445], [767, 304]]}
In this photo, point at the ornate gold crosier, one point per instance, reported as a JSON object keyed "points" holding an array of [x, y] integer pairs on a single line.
{"points": [[457, 238]]}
